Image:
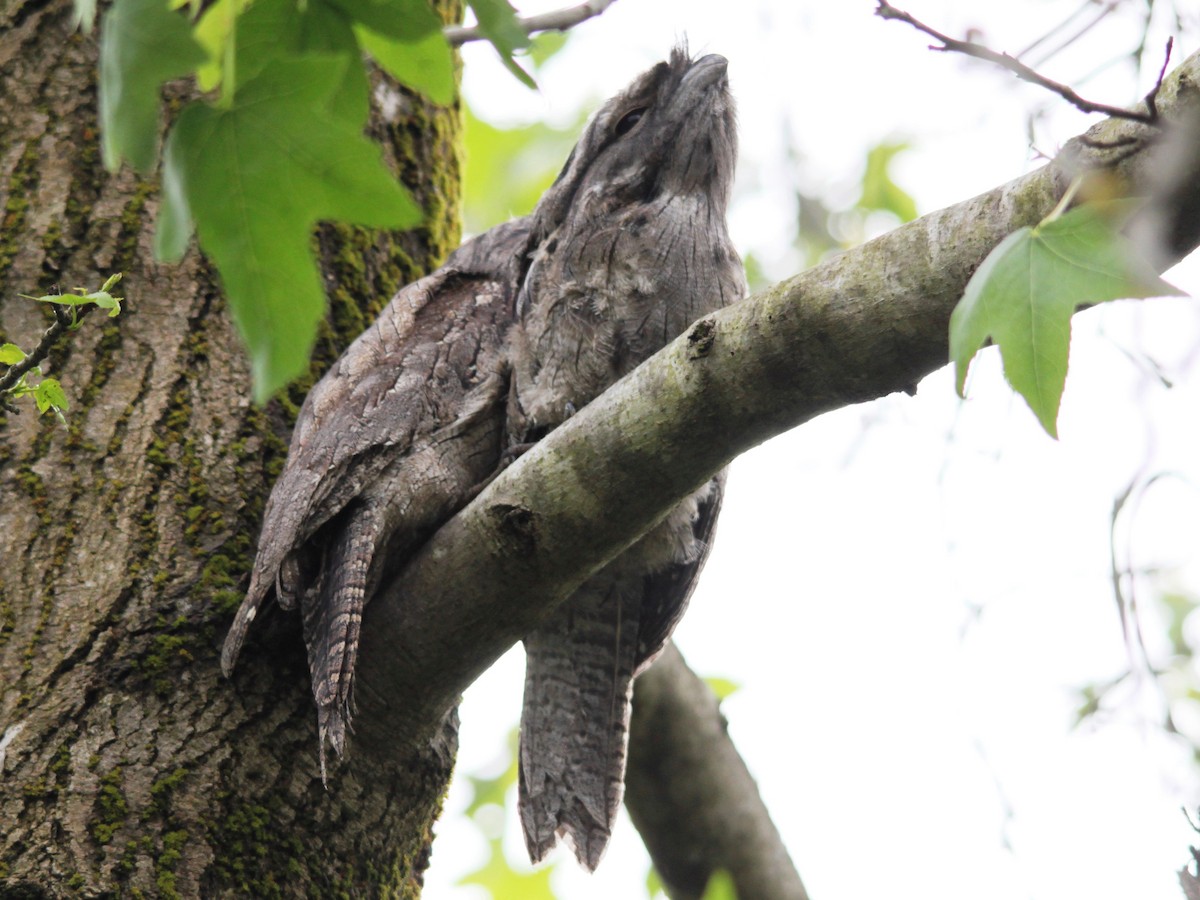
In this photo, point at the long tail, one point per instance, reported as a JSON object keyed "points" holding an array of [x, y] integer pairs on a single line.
{"points": [[332, 616], [575, 721]]}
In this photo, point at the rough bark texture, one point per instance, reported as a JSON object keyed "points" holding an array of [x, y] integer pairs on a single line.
{"points": [[691, 796], [128, 766]]}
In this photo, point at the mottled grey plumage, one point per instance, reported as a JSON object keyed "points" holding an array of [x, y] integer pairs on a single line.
{"points": [[631, 249], [523, 325], [387, 446]]}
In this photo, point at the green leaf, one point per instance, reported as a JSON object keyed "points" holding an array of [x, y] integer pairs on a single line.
{"points": [[654, 884], [720, 887], [879, 192], [257, 176], [498, 23], [500, 880], [49, 395], [508, 169], [61, 299], [105, 300], [101, 298], [492, 790], [1178, 607], [545, 45], [722, 687], [496, 875], [402, 20], [278, 29], [1090, 697], [1023, 295], [425, 64], [213, 32], [142, 44], [11, 354]]}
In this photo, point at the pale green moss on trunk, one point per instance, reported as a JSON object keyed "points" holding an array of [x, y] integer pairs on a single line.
{"points": [[139, 771]]}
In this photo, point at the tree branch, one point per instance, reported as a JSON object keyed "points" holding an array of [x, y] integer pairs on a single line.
{"points": [[867, 323], [864, 324], [692, 798], [556, 20]]}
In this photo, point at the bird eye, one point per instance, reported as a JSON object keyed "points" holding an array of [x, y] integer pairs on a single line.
{"points": [[630, 119]]}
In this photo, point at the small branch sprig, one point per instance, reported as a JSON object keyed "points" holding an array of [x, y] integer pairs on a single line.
{"points": [[948, 44], [69, 313]]}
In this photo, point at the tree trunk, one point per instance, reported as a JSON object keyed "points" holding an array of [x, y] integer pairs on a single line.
{"points": [[127, 764]]}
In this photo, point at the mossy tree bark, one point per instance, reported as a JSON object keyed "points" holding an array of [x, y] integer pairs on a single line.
{"points": [[128, 766]]}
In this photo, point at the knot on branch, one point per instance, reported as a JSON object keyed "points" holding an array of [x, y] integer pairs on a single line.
{"points": [[701, 338], [518, 527]]}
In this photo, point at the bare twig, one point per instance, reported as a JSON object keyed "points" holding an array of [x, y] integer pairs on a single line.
{"points": [[951, 45], [1088, 4], [557, 20], [1152, 97], [1079, 32], [64, 317]]}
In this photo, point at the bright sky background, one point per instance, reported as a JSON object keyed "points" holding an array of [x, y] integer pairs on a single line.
{"points": [[911, 592]]}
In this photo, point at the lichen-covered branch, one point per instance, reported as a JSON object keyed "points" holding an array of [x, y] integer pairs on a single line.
{"points": [[691, 796], [867, 323]]}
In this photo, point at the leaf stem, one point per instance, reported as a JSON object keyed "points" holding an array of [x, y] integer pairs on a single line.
{"points": [[1067, 197], [64, 317]]}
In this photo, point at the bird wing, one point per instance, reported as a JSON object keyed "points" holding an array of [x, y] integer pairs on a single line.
{"points": [[668, 590], [431, 360]]}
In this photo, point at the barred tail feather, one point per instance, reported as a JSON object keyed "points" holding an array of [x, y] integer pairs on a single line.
{"points": [[575, 721], [332, 617]]}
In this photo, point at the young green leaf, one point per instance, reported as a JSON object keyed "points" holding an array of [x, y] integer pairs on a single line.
{"points": [[879, 191], [425, 64], [277, 29], [11, 354], [142, 44], [101, 298], [402, 20], [214, 31], [498, 23], [105, 300], [545, 46], [722, 687], [654, 884], [1023, 295], [508, 169], [500, 880], [49, 395], [720, 887], [257, 176]]}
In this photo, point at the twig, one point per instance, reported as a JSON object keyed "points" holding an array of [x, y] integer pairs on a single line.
{"points": [[1103, 14], [64, 317], [1152, 97], [556, 20], [948, 44], [1087, 4]]}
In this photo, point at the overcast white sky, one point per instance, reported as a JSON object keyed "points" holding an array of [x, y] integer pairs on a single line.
{"points": [[911, 592]]}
